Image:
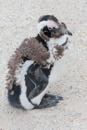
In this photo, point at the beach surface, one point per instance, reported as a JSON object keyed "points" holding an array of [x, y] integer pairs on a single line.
{"points": [[18, 20]]}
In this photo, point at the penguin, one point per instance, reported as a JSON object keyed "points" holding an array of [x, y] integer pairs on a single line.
{"points": [[33, 79]]}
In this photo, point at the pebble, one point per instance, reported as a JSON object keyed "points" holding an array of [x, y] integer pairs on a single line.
{"points": [[74, 92], [58, 92]]}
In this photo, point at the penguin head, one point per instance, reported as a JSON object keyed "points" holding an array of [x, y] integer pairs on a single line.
{"points": [[49, 27]]}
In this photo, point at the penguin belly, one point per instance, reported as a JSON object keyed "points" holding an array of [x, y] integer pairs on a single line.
{"points": [[57, 70]]}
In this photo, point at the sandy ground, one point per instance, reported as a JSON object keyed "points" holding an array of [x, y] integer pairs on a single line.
{"points": [[18, 20]]}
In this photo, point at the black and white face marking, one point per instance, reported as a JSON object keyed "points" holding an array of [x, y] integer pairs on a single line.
{"points": [[47, 31], [49, 24], [44, 18]]}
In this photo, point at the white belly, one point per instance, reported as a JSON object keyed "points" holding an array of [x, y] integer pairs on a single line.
{"points": [[57, 70]]}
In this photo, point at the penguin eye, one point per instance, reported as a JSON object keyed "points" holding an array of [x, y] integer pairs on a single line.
{"points": [[50, 28]]}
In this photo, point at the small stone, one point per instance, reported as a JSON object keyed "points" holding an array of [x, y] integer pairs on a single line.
{"points": [[70, 87], [73, 114], [58, 93], [54, 120], [79, 113], [75, 92]]}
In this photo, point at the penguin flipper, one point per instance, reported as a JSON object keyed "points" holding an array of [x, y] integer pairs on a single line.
{"points": [[38, 78], [36, 91]]}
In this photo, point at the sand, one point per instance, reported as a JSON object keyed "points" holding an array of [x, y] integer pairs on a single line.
{"points": [[18, 20]]}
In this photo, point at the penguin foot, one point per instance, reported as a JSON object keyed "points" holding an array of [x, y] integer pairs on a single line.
{"points": [[54, 97], [48, 101]]}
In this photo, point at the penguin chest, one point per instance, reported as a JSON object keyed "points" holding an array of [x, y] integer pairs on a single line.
{"points": [[57, 70]]}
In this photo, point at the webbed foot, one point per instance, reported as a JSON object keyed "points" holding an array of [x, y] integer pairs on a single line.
{"points": [[49, 100]]}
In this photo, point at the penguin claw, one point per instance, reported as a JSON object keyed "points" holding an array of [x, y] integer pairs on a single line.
{"points": [[58, 97]]}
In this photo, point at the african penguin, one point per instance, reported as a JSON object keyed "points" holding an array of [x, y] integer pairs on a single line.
{"points": [[33, 78]]}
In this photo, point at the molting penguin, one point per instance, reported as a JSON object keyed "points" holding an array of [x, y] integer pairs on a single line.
{"points": [[36, 63]]}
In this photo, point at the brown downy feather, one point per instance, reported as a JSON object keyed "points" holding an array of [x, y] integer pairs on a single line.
{"points": [[53, 18], [40, 18], [60, 51], [64, 25], [54, 35], [31, 49], [43, 36]]}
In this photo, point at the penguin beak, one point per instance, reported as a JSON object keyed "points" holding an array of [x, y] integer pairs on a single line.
{"points": [[62, 30]]}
